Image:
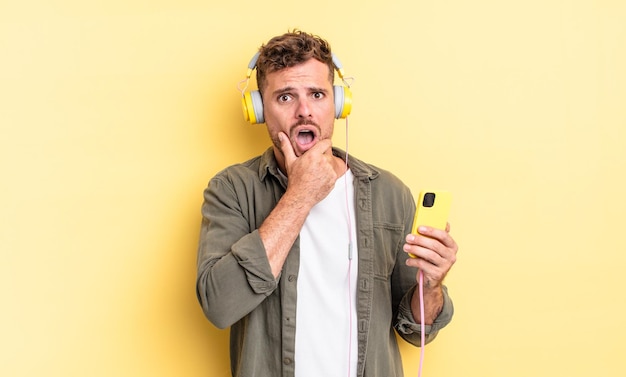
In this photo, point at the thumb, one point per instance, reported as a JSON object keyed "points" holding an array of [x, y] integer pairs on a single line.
{"points": [[286, 148]]}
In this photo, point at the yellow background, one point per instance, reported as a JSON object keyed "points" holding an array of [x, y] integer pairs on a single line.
{"points": [[114, 115]]}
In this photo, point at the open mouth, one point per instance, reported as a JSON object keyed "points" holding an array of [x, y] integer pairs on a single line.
{"points": [[304, 137]]}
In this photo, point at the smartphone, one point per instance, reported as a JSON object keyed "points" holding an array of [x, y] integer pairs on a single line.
{"points": [[433, 209]]}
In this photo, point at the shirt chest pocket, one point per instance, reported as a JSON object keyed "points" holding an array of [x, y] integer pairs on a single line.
{"points": [[388, 241]]}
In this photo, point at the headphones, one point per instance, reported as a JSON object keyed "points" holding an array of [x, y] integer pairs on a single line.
{"points": [[253, 104]]}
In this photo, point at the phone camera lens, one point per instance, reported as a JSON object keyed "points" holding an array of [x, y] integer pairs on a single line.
{"points": [[429, 199]]}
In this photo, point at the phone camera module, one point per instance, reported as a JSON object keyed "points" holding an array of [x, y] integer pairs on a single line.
{"points": [[429, 199]]}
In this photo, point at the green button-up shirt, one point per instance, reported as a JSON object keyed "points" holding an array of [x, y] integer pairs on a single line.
{"points": [[236, 287]]}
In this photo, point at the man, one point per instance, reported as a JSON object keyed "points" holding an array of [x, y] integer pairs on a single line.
{"points": [[305, 255]]}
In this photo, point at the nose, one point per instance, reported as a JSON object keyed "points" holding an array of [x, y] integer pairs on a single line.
{"points": [[304, 108]]}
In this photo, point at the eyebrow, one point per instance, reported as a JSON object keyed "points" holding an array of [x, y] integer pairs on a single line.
{"points": [[287, 89]]}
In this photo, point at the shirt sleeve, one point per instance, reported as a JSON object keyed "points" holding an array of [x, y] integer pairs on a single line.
{"points": [[234, 275], [410, 331]]}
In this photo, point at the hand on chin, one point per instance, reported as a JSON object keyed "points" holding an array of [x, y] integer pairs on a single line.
{"points": [[300, 149]]}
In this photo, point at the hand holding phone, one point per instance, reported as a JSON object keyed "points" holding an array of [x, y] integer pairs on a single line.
{"points": [[433, 209]]}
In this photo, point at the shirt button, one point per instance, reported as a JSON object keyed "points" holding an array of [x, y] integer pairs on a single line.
{"points": [[364, 285], [287, 361], [291, 277]]}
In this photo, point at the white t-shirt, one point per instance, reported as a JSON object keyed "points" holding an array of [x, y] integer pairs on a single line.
{"points": [[326, 320]]}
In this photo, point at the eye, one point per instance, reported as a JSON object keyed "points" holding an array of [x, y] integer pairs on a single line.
{"points": [[284, 98], [318, 95]]}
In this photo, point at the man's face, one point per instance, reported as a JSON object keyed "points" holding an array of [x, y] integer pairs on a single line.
{"points": [[299, 101]]}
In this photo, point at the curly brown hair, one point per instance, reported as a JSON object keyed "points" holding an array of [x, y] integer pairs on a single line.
{"points": [[290, 49]]}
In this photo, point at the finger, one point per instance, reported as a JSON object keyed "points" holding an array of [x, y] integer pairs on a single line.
{"points": [[424, 247], [441, 235], [425, 255], [286, 148], [432, 273], [435, 265], [323, 146]]}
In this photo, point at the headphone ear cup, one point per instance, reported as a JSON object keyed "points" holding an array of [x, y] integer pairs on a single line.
{"points": [[252, 106], [343, 101]]}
